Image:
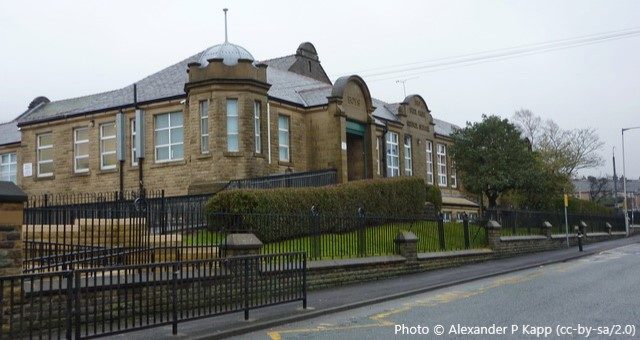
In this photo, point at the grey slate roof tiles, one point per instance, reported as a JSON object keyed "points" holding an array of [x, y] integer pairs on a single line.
{"points": [[9, 133], [169, 83]]}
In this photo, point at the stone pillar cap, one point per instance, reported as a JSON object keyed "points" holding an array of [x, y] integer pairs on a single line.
{"points": [[608, 225], [11, 193], [583, 224], [493, 225], [243, 241], [546, 224], [406, 236]]}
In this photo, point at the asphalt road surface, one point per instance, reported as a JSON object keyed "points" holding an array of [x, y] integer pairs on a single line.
{"points": [[595, 297]]}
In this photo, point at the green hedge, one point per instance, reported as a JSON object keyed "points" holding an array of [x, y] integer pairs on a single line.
{"points": [[337, 205]]}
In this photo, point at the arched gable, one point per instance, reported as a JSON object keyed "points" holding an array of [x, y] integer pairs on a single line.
{"points": [[354, 93], [417, 106]]}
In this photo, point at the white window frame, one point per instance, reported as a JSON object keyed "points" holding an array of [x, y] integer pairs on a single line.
{"points": [[104, 153], [134, 152], [284, 143], [203, 106], [442, 165], [408, 157], [5, 167], [454, 176], [170, 145], [429, 148], [231, 134], [393, 155], [378, 155], [41, 147], [257, 125], [76, 143]]}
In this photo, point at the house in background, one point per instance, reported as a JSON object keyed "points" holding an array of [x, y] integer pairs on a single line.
{"points": [[220, 115], [586, 190]]}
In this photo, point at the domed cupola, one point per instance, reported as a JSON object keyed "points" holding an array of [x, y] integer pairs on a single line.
{"points": [[228, 52]]}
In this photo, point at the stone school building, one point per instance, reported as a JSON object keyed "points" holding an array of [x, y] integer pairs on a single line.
{"points": [[221, 115]]}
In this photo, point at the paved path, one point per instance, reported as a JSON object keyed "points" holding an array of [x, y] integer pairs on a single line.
{"points": [[338, 299], [589, 297]]}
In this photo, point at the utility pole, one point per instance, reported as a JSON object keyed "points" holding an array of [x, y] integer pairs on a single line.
{"points": [[624, 181]]}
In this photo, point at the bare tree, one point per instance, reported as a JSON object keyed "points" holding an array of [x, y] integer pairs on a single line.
{"points": [[564, 151], [598, 188], [528, 124]]}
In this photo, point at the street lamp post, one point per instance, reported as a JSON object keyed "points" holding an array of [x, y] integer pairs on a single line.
{"points": [[624, 181]]}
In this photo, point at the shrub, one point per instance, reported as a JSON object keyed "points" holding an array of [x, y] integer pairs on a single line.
{"points": [[278, 214], [434, 196]]}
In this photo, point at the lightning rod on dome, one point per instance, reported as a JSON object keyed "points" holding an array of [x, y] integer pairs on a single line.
{"points": [[225, 24]]}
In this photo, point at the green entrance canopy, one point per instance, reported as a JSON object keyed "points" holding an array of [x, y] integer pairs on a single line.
{"points": [[355, 128]]}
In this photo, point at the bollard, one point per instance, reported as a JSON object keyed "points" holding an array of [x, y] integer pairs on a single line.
{"points": [[579, 232]]}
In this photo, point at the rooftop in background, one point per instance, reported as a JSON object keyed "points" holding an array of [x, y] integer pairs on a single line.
{"points": [[583, 185]]}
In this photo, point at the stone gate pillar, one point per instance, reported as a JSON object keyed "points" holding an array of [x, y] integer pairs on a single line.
{"points": [[12, 201]]}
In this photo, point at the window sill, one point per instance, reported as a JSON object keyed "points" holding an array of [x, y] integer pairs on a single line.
{"points": [[81, 174], [285, 163], [233, 154], [44, 178], [259, 155], [204, 156], [107, 171], [169, 163]]}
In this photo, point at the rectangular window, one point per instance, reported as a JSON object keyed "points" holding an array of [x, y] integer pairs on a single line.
{"points": [[45, 154], [429, 162], [454, 176], [378, 155], [393, 161], [168, 137], [446, 216], [8, 165], [134, 153], [81, 150], [283, 139], [108, 146], [204, 126], [232, 126], [442, 165], [256, 127], [408, 161]]}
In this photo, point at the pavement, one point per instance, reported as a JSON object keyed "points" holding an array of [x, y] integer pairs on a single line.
{"points": [[347, 297], [593, 297]]}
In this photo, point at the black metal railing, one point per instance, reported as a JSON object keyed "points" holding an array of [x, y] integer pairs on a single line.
{"points": [[90, 303], [528, 222], [329, 236], [56, 238], [287, 180]]}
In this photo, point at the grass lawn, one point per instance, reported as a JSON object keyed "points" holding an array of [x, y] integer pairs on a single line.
{"points": [[375, 240]]}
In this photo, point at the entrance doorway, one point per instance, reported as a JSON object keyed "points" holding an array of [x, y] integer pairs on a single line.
{"points": [[356, 160]]}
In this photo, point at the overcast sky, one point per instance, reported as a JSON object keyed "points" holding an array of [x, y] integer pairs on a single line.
{"points": [[63, 49]]}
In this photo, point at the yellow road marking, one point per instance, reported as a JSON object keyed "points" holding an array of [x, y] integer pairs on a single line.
{"points": [[380, 319]]}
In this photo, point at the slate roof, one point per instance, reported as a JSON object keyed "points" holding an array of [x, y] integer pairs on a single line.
{"points": [[9, 133], [444, 128], [169, 83]]}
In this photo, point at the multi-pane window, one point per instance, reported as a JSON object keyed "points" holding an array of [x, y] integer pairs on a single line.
{"points": [[108, 146], [283, 139], [45, 154], [204, 126], [429, 162], [8, 165], [256, 127], [134, 152], [442, 165], [393, 161], [454, 176], [168, 137], [81, 150], [446, 216], [232, 126], [408, 161]]}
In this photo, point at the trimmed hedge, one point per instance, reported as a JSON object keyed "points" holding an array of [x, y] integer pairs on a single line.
{"points": [[337, 205]]}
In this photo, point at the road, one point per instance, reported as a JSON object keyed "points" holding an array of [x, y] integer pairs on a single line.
{"points": [[589, 297]]}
